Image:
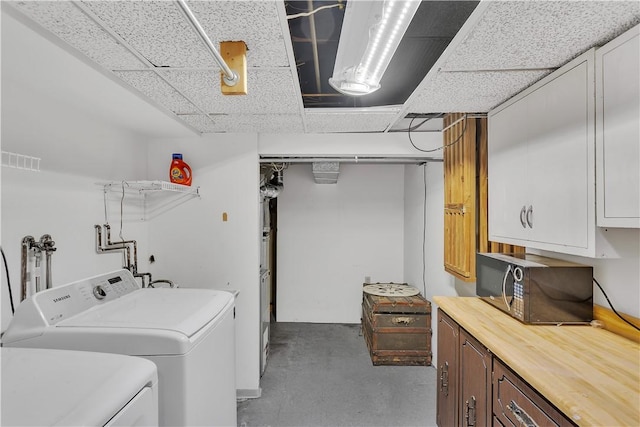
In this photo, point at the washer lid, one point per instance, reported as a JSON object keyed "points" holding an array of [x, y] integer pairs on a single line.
{"points": [[42, 387], [182, 310]]}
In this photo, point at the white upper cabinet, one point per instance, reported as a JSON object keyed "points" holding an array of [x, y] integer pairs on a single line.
{"points": [[541, 174], [618, 131]]}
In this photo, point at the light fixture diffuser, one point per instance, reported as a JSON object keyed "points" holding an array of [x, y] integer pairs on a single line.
{"points": [[371, 33]]}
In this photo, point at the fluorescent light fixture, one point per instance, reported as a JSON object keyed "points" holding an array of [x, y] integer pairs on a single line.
{"points": [[371, 33]]}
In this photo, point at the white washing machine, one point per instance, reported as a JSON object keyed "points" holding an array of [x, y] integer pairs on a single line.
{"points": [[42, 387], [188, 333]]}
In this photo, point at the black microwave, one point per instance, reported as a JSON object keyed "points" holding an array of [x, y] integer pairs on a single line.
{"points": [[536, 289]]}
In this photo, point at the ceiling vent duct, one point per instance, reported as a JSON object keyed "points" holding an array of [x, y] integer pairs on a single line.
{"points": [[270, 191], [326, 172]]}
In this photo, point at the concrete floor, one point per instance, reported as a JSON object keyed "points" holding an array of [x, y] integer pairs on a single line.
{"points": [[321, 375]]}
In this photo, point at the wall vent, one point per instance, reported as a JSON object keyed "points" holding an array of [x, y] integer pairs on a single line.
{"points": [[326, 172]]}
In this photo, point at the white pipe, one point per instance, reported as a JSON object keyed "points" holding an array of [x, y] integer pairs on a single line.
{"points": [[230, 77], [354, 159]]}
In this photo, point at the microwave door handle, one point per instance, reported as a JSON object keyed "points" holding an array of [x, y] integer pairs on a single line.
{"points": [[504, 287]]}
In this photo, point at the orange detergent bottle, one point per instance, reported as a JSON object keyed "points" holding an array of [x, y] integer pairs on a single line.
{"points": [[180, 172]]}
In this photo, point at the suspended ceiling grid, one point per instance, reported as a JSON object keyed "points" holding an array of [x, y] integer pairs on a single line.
{"points": [[504, 47]]}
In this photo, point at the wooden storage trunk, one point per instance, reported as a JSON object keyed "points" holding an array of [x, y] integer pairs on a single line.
{"points": [[397, 330]]}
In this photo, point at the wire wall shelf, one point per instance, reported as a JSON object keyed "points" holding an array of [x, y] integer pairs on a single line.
{"points": [[20, 161], [150, 186], [147, 199]]}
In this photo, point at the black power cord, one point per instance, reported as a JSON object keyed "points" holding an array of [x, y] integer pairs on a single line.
{"points": [[458, 139], [424, 231], [6, 269], [611, 305]]}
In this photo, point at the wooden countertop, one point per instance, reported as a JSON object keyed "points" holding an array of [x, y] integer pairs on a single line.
{"points": [[590, 374]]}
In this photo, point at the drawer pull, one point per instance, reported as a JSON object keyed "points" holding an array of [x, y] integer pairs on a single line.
{"points": [[523, 418], [403, 320], [470, 411], [444, 378]]}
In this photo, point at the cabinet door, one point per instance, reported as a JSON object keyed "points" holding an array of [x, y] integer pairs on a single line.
{"points": [[541, 162], [447, 393], [618, 131], [515, 403], [559, 157], [475, 382], [460, 194], [509, 130]]}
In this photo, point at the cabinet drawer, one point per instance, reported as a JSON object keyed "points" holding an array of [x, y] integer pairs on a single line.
{"points": [[515, 403]]}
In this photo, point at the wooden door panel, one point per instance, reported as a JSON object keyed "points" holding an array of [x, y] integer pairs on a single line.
{"points": [[447, 388], [475, 382]]}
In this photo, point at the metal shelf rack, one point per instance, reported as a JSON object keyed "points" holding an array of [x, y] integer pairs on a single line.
{"points": [[148, 198]]}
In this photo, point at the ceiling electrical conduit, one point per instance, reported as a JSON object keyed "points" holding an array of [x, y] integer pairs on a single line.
{"points": [[230, 78], [351, 159]]}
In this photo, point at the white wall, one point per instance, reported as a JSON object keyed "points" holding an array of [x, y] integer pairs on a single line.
{"points": [[54, 112], [395, 144], [619, 276], [66, 207], [331, 236], [425, 223], [194, 247], [86, 129], [424, 229]]}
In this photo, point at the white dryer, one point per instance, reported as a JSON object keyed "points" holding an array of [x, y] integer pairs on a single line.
{"points": [[188, 333], [42, 387]]}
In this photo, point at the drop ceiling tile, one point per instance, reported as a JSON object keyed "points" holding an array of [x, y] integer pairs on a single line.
{"points": [[272, 91], [255, 22], [329, 122], [158, 30], [253, 123], [200, 122], [540, 34], [476, 92], [72, 26], [151, 85]]}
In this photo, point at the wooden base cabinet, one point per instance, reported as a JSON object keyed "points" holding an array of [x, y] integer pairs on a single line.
{"points": [[447, 393], [475, 382], [464, 375], [517, 404], [477, 389]]}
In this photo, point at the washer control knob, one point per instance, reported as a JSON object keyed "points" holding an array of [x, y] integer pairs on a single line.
{"points": [[99, 292]]}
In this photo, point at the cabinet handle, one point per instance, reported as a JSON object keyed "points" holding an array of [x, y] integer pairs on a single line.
{"points": [[470, 411], [523, 418], [530, 216], [444, 378], [522, 216]]}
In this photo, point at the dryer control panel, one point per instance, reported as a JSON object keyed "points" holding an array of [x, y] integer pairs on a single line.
{"points": [[49, 307]]}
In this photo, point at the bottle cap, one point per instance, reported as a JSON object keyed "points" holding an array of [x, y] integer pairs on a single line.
{"points": [[177, 156]]}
